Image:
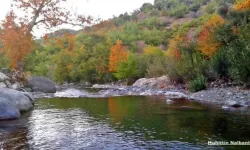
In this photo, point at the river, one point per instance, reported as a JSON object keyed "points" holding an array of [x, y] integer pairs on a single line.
{"points": [[129, 122]]}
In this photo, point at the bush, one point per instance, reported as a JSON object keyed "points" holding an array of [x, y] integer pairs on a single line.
{"points": [[155, 60], [158, 67], [190, 64], [235, 53], [179, 11], [42, 69], [198, 84], [219, 64], [131, 69]]}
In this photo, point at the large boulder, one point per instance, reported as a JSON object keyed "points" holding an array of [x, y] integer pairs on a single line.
{"points": [[41, 84], [8, 110], [161, 82], [13, 102]]}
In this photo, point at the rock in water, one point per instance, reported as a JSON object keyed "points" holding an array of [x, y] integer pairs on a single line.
{"points": [[8, 110], [169, 101], [13, 102], [74, 93], [41, 84], [176, 95]]}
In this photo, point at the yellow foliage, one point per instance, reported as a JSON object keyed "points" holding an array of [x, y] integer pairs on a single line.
{"points": [[152, 50], [242, 5], [206, 42], [173, 50]]}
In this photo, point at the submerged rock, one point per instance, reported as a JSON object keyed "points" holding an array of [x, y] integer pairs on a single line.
{"points": [[71, 93], [13, 102], [41, 84], [225, 107], [42, 95], [169, 101], [103, 86], [176, 95]]}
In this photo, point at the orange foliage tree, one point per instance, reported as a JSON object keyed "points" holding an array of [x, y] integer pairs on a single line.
{"points": [[173, 49], [118, 53], [207, 44], [45, 13], [16, 40], [242, 5]]}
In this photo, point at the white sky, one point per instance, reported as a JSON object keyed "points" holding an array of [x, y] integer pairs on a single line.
{"points": [[103, 9]]}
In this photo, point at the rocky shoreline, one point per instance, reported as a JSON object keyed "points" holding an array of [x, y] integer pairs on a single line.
{"points": [[12, 104], [227, 97], [222, 97]]}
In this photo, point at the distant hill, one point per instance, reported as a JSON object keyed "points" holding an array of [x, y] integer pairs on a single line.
{"points": [[61, 32]]}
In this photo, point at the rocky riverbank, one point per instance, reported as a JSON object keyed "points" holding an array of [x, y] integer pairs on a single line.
{"points": [[12, 104], [225, 97], [120, 91]]}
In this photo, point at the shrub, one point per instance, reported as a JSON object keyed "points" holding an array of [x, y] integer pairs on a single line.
{"points": [[197, 84], [158, 67], [188, 64], [131, 68], [236, 53], [220, 64]]}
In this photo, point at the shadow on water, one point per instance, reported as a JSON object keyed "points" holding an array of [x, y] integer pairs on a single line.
{"points": [[13, 134], [130, 122]]}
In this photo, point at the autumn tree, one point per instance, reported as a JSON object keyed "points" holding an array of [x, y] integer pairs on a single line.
{"points": [[207, 43], [40, 13], [173, 49], [17, 42], [118, 53], [242, 5]]}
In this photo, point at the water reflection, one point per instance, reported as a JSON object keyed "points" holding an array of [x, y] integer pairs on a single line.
{"points": [[122, 123]]}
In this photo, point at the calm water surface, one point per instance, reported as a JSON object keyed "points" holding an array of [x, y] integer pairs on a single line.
{"points": [[123, 123]]}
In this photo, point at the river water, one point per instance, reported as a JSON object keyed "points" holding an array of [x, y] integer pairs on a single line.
{"points": [[123, 123]]}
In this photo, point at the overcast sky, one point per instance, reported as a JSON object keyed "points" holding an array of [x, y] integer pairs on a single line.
{"points": [[103, 9]]}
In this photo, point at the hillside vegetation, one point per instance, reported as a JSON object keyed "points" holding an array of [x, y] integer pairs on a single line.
{"points": [[191, 41]]}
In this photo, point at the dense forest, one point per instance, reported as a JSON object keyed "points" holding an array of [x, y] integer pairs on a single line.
{"points": [[191, 41]]}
